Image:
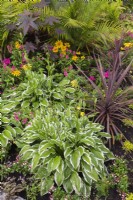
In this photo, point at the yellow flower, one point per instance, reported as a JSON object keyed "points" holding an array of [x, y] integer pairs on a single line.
{"points": [[67, 44], [26, 67], [63, 48], [63, 53], [74, 57], [55, 49], [78, 53], [17, 45], [78, 108], [16, 72], [82, 57], [59, 43], [128, 44], [74, 83], [128, 146], [82, 114], [122, 48]]}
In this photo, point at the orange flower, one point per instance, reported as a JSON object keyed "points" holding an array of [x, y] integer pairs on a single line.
{"points": [[16, 72], [55, 49]]}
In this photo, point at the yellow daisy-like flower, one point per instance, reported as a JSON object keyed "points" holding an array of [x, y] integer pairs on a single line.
{"points": [[26, 67], [74, 83], [63, 53], [63, 48], [122, 48], [67, 44], [16, 72], [128, 44], [82, 57], [74, 58], [82, 114], [78, 108], [78, 53], [55, 49], [17, 45], [59, 43]]}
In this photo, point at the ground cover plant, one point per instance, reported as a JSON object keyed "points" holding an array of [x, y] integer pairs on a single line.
{"points": [[66, 100]]}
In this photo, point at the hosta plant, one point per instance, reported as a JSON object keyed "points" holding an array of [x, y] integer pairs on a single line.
{"points": [[37, 91], [65, 149]]}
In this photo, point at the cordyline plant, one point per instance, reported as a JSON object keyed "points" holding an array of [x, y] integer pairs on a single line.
{"points": [[112, 105]]}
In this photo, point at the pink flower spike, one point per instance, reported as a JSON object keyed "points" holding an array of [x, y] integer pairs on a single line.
{"points": [[67, 56], [65, 73], [106, 74], [6, 61], [92, 78], [24, 121]]}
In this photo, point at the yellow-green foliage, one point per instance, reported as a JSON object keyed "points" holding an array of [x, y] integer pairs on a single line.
{"points": [[128, 146], [129, 196], [128, 122], [131, 106]]}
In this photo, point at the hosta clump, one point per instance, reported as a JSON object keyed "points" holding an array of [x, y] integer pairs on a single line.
{"points": [[65, 149]]}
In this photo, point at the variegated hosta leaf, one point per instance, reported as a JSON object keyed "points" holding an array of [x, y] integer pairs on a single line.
{"points": [[76, 182]]}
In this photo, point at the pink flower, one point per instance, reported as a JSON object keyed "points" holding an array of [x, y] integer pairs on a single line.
{"points": [[92, 78], [61, 55], [13, 68], [16, 117], [67, 56], [6, 61], [74, 52], [65, 73], [70, 67], [9, 47], [106, 74], [24, 121]]}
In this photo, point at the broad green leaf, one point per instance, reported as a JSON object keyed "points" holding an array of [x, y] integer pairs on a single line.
{"points": [[87, 178], [67, 172], [76, 182], [27, 154], [68, 186], [104, 134], [64, 82], [57, 95], [88, 142], [45, 154], [3, 141], [98, 154], [54, 163], [44, 147], [5, 120], [5, 110], [12, 130], [70, 90], [7, 134], [93, 174], [60, 168], [75, 159], [24, 149], [35, 160], [25, 104], [46, 185], [85, 166], [44, 102], [86, 190], [86, 157], [68, 152], [59, 178], [80, 150]]}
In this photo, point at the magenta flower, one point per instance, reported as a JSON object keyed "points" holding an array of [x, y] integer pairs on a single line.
{"points": [[16, 117], [92, 78], [24, 121], [65, 73], [6, 61], [106, 74]]}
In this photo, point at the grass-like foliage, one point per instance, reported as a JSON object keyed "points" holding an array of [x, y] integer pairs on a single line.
{"points": [[112, 103]]}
